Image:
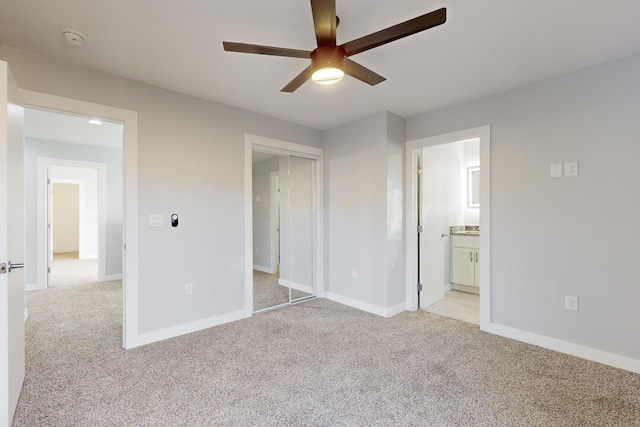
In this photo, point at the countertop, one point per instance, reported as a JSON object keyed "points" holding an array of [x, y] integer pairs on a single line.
{"points": [[464, 230]]}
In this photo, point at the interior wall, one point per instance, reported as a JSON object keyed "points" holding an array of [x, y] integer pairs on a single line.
{"points": [[471, 158], [262, 213], [66, 218], [191, 162], [364, 178], [552, 237]]}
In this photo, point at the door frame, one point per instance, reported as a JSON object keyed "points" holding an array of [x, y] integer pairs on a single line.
{"points": [[411, 158], [280, 147], [130, 325]]}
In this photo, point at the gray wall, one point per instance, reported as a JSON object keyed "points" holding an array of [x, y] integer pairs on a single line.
{"points": [[35, 148], [564, 236], [364, 210], [190, 163]]}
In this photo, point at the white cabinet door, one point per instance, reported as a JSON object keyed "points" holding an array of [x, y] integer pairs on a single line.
{"points": [[463, 260], [476, 268]]}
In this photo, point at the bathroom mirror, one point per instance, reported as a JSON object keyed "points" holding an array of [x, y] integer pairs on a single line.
{"points": [[473, 187]]}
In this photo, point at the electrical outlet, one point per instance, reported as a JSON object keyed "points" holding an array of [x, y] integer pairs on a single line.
{"points": [[354, 273], [188, 288], [257, 250], [571, 169], [571, 303]]}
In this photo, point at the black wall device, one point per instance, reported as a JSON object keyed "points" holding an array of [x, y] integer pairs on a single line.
{"points": [[174, 220]]}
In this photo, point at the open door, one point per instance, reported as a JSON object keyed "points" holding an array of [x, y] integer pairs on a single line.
{"points": [[12, 299], [430, 226]]}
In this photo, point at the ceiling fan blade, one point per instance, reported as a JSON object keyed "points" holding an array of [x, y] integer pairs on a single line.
{"points": [[396, 32], [324, 21], [361, 73], [299, 80], [265, 50]]}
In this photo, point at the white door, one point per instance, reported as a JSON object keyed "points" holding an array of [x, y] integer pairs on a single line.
{"points": [[431, 217], [12, 302]]}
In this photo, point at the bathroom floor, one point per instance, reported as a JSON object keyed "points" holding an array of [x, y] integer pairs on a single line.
{"points": [[459, 305]]}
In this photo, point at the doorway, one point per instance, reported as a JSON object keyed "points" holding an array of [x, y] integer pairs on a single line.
{"points": [[433, 208], [128, 204], [73, 227], [283, 223]]}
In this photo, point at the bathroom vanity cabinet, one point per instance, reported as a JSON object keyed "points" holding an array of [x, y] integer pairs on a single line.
{"points": [[465, 260]]}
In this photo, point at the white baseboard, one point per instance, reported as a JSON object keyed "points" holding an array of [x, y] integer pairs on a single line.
{"points": [[369, 308], [465, 288], [34, 287], [186, 328], [588, 353], [267, 270], [297, 286], [110, 277]]}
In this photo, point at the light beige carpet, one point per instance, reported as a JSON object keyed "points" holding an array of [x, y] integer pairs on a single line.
{"points": [[68, 270], [317, 363], [268, 293]]}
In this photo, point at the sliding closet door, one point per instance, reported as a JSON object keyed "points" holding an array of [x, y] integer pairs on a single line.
{"points": [[301, 227], [270, 174], [284, 218]]}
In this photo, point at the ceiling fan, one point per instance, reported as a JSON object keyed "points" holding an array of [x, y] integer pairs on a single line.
{"points": [[330, 62]]}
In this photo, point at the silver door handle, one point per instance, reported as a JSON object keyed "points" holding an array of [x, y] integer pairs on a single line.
{"points": [[14, 266]]}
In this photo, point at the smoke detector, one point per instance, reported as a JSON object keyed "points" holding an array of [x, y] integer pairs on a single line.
{"points": [[73, 37]]}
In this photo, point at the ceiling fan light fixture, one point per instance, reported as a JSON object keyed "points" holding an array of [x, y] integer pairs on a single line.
{"points": [[327, 75]]}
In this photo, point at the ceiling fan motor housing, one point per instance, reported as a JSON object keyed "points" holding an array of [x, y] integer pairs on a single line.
{"points": [[328, 56]]}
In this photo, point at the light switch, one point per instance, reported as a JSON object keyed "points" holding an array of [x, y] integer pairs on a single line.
{"points": [[571, 169], [556, 170], [155, 220]]}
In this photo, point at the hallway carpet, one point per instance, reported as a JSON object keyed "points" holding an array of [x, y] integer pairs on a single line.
{"points": [[317, 363]]}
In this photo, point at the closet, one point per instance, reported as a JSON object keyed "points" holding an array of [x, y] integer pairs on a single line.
{"points": [[284, 229]]}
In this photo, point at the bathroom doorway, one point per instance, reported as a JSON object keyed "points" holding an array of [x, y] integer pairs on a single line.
{"points": [[445, 182]]}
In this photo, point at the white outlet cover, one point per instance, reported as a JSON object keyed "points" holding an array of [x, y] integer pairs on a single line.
{"points": [[556, 170], [571, 169], [571, 303]]}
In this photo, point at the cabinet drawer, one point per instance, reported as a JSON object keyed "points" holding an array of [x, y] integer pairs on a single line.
{"points": [[472, 242]]}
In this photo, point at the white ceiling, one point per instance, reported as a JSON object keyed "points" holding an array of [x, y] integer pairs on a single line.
{"points": [[485, 47], [51, 126]]}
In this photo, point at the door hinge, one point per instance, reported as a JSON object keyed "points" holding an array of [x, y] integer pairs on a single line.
{"points": [[419, 171], [419, 286], [419, 229], [48, 269]]}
